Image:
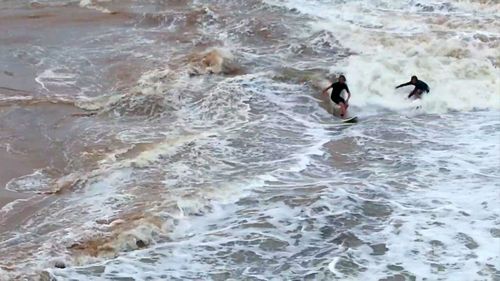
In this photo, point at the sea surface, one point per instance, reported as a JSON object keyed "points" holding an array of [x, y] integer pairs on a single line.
{"points": [[189, 140]]}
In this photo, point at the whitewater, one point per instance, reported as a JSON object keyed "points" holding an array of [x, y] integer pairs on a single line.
{"points": [[189, 140]]}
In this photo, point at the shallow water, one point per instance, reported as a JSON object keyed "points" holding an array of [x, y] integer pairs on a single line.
{"points": [[187, 140]]}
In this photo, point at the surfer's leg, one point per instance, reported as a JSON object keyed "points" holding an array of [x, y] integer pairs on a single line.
{"points": [[416, 93], [343, 108]]}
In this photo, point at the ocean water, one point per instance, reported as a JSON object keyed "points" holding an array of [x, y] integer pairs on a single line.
{"points": [[188, 140]]}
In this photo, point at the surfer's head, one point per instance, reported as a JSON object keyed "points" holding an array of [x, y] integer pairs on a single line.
{"points": [[342, 79], [414, 79]]}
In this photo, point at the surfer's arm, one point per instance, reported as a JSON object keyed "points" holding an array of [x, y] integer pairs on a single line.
{"points": [[348, 94], [412, 93], [324, 91], [416, 92], [403, 85]]}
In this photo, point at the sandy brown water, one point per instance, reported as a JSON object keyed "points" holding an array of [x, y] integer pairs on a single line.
{"points": [[40, 127], [10, 167], [33, 122]]}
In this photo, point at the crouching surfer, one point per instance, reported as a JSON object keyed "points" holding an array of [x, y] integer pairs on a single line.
{"points": [[420, 87]]}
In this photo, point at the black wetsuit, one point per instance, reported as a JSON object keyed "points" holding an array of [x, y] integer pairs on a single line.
{"points": [[337, 88], [420, 85]]}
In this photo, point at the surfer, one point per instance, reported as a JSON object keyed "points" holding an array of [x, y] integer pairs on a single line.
{"points": [[420, 87], [337, 89]]}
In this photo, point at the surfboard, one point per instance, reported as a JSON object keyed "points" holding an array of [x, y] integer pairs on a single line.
{"points": [[417, 103], [350, 120]]}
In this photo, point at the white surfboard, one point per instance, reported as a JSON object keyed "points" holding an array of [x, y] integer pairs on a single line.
{"points": [[417, 103], [350, 120]]}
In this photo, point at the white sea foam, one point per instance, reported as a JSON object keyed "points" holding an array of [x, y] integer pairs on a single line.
{"points": [[11, 205], [39, 181], [220, 192], [444, 226], [392, 41], [92, 4]]}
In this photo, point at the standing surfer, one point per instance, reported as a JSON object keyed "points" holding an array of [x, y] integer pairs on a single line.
{"points": [[337, 89]]}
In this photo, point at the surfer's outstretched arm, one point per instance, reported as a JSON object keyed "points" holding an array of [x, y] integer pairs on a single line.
{"points": [[324, 91], [404, 84], [412, 93]]}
